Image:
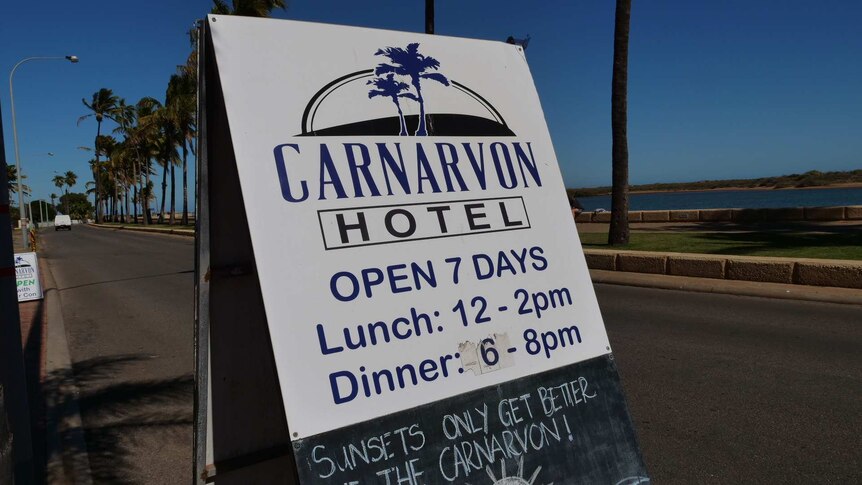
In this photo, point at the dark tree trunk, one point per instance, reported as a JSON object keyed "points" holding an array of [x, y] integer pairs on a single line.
{"points": [[98, 173], [173, 196], [185, 220], [429, 16], [619, 230], [148, 219], [164, 189]]}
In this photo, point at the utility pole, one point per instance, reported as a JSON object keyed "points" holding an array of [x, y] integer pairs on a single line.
{"points": [[429, 16]]}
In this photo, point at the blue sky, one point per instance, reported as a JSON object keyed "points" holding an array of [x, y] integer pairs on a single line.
{"points": [[728, 89]]}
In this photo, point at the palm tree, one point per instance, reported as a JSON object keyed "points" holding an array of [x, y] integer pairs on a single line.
{"points": [[247, 8], [103, 104], [165, 138], [409, 62], [12, 176], [53, 197], [181, 100], [60, 182], [619, 230], [70, 179], [145, 136], [108, 191], [393, 89], [126, 116]]}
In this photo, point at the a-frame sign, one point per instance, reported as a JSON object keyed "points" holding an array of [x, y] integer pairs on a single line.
{"points": [[390, 287]]}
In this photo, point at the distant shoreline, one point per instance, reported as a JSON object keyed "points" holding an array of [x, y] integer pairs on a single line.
{"points": [[847, 185]]}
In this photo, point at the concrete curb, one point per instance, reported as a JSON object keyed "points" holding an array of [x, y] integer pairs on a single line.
{"points": [[835, 273], [783, 214], [67, 455], [152, 230], [742, 288]]}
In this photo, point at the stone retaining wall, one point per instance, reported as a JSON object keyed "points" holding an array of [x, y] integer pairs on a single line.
{"points": [[813, 272], [842, 213]]}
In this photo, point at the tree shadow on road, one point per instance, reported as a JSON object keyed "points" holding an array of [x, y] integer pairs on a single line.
{"points": [[116, 417]]}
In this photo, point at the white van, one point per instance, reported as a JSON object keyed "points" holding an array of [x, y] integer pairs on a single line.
{"points": [[62, 222]]}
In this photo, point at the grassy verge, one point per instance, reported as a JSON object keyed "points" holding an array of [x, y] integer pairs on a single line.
{"points": [[780, 244]]}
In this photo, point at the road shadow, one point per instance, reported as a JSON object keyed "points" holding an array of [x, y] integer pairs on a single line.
{"points": [[114, 417], [34, 359]]}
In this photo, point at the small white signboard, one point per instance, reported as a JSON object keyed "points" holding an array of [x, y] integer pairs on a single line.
{"points": [[27, 277]]}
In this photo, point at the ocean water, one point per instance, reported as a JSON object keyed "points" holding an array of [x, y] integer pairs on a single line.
{"points": [[725, 199]]}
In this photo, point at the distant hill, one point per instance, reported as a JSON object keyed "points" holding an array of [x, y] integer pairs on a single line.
{"points": [[813, 178]]}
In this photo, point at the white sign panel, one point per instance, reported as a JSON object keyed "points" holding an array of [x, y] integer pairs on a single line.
{"points": [[409, 221], [27, 277]]}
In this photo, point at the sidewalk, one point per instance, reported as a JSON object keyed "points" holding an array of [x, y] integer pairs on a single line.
{"points": [[33, 328], [59, 449]]}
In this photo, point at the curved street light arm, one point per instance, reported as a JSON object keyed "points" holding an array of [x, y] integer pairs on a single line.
{"points": [[21, 209]]}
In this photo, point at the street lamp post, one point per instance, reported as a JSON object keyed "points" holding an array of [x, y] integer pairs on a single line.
{"points": [[73, 60]]}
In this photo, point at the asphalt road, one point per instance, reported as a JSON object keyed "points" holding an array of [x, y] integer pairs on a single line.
{"points": [[127, 305], [723, 389]]}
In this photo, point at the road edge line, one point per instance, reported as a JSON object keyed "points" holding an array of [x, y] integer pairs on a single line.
{"points": [[169, 232], [67, 452]]}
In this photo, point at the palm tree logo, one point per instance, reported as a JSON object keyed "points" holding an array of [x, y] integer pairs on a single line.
{"points": [[411, 64], [391, 88]]}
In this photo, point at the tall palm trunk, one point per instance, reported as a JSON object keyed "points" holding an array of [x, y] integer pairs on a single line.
{"points": [[95, 194], [164, 189], [116, 194], [135, 191], [185, 220], [619, 230], [126, 218], [173, 195], [147, 217], [144, 191], [97, 177]]}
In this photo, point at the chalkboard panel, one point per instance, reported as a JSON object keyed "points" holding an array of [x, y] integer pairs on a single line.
{"points": [[567, 425]]}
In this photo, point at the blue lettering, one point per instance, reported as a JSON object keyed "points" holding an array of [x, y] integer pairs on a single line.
{"points": [[357, 168], [478, 167], [529, 162], [354, 286], [512, 182], [281, 168], [397, 169], [393, 278], [336, 393], [325, 349], [450, 166], [424, 171], [480, 274], [327, 167]]}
